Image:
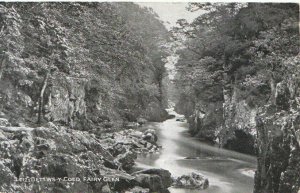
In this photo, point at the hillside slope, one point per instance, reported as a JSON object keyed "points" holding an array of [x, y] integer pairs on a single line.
{"points": [[90, 66]]}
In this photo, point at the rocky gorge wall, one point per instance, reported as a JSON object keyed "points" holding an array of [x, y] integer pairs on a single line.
{"points": [[268, 129], [69, 102], [278, 141], [230, 124]]}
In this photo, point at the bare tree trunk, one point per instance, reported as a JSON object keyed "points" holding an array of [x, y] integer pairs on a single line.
{"points": [[160, 88], [273, 89], [225, 133], [2, 66], [41, 98]]}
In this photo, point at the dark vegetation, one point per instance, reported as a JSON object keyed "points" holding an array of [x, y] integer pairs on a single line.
{"points": [[85, 65], [238, 82]]}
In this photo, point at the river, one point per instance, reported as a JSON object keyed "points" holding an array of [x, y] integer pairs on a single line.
{"points": [[227, 171]]}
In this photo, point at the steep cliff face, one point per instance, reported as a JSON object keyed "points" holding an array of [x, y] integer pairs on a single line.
{"points": [[205, 119], [224, 115], [229, 123], [278, 136], [261, 124], [66, 100]]}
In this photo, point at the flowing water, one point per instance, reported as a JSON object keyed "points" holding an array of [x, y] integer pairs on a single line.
{"points": [[227, 171]]}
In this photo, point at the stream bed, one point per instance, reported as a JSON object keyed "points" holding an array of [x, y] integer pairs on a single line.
{"points": [[227, 171]]}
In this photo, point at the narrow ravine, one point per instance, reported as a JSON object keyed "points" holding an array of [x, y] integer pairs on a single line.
{"points": [[227, 171]]}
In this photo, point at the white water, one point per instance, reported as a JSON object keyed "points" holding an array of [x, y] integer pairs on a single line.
{"points": [[227, 171]]}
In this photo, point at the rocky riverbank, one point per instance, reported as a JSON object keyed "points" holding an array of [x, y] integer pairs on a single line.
{"points": [[59, 159]]}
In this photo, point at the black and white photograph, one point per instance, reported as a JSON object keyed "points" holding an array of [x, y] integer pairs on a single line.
{"points": [[149, 97]]}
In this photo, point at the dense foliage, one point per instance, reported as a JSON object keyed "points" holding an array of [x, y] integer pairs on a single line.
{"points": [[81, 62], [235, 52]]}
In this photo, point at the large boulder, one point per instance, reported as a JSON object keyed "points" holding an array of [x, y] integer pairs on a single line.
{"points": [[191, 181], [153, 182], [127, 160], [157, 180], [150, 136]]}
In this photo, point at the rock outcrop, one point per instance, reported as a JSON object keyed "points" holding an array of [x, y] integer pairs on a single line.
{"points": [[278, 126], [192, 181], [157, 180], [265, 123], [226, 123], [59, 159]]}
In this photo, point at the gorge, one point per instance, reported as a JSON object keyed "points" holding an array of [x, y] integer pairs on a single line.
{"points": [[106, 90]]}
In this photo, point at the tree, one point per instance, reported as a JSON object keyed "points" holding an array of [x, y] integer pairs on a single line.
{"points": [[241, 48]]}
